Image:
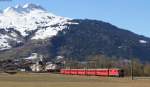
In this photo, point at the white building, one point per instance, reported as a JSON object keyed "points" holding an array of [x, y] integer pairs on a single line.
{"points": [[36, 67], [50, 66]]}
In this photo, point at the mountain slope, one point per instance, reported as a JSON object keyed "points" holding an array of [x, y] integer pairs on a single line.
{"points": [[32, 22], [91, 37], [31, 29]]}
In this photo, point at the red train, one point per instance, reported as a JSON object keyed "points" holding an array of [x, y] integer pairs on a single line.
{"points": [[93, 72]]}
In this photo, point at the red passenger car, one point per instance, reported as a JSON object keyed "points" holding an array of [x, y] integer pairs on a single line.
{"points": [[67, 71], [74, 71], [102, 72], [93, 72], [81, 71]]}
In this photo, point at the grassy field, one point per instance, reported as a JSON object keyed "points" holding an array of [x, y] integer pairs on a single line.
{"points": [[56, 80]]}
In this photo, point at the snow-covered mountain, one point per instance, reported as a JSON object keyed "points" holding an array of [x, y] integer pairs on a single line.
{"points": [[27, 29], [27, 19]]}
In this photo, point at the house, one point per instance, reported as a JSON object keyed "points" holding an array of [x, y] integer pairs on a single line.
{"points": [[50, 67]]}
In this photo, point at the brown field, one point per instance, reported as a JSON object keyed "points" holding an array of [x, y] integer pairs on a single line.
{"points": [[56, 80]]}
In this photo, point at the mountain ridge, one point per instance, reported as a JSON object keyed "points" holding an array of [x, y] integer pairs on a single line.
{"points": [[33, 19], [32, 29]]}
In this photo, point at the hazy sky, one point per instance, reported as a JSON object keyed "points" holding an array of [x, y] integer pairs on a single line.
{"points": [[133, 15]]}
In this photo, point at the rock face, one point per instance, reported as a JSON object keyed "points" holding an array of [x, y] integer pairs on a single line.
{"points": [[31, 29]]}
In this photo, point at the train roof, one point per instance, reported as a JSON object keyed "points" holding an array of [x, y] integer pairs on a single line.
{"points": [[95, 69]]}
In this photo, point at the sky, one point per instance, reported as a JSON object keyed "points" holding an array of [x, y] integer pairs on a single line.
{"points": [[133, 15]]}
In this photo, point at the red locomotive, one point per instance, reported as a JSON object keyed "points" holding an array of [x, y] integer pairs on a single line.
{"points": [[93, 72]]}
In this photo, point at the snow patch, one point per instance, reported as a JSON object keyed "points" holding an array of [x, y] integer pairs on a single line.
{"points": [[142, 41], [35, 56], [31, 6], [119, 47], [4, 43], [6, 38]]}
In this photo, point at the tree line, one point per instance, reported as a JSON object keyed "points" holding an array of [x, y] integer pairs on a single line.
{"points": [[100, 61]]}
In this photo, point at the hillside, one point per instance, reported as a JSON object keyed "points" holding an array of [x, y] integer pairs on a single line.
{"points": [[31, 29], [92, 37]]}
